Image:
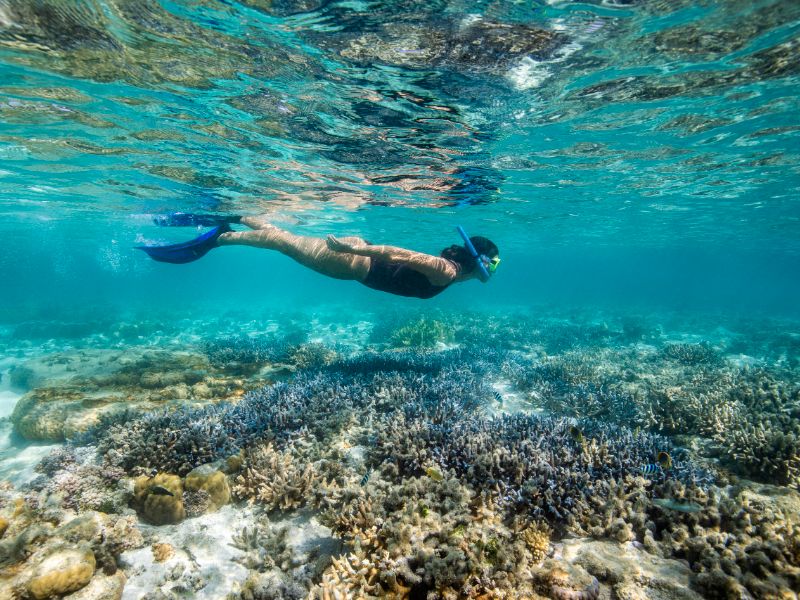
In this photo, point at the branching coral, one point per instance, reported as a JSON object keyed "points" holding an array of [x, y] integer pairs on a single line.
{"points": [[743, 541], [692, 354], [537, 538], [276, 478], [264, 546], [427, 537], [321, 401], [244, 353], [73, 475], [571, 385], [530, 461], [423, 332]]}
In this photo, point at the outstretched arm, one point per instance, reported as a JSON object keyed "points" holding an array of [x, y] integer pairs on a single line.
{"points": [[437, 269]]}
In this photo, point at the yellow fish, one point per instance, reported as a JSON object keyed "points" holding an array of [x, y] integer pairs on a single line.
{"points": [[434, 474]]}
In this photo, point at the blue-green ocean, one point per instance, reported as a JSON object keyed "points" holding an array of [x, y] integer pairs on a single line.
{"points": [[636, 164]]}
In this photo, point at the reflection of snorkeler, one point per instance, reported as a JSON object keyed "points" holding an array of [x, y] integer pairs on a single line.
{"points": [[385, 268]]}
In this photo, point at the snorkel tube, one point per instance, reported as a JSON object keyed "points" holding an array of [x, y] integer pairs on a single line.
{"points": [[483, 272]]}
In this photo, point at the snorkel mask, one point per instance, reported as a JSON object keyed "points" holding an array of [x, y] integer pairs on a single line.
{"points": [[491, 263], [486, 266]]}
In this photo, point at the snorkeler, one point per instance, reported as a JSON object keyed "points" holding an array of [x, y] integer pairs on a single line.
{"points": [[384, 268]]}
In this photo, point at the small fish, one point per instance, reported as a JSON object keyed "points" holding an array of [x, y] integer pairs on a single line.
{"points": [[365, 478], [650, 469], [663, 463], [576, 434], [160, 490], [498, 398], [434, 474], [153, 473], [683, 506], [665, 460]]}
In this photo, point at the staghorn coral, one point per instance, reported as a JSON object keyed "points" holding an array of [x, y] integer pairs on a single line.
{"points": [[269, 587], [264, 546], [749, 416], [247, 354], [322, 401], [423, 536], [311, 356], [277, 479], [757, 428], [691, 354], [278, 567], [571, 385], [532, 462], [744, 538]]}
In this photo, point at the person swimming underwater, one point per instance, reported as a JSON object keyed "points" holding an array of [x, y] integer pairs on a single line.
{"points": [[384, 268]]}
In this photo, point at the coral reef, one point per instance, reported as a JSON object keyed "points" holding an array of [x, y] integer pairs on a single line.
{"points": [[438, 489], [74, 398], [321, 401], [81, 482], [745, 538], [571, 385], [162, 551], [423, 332], [420, 536], [61, 571], [280, 480], [535, 463], [212, 483], [278, 567], [48, 552], [537, 537], [247, 354], [159, 499], [748, 416]]}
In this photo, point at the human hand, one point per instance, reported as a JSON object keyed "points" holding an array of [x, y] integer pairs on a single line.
{"points": [[338, 245]]}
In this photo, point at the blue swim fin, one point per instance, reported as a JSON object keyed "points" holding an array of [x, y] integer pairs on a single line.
{"points": [[181, 219], [187, 251]]}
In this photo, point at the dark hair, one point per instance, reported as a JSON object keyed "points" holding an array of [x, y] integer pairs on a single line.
{"points": [[460, 255]]}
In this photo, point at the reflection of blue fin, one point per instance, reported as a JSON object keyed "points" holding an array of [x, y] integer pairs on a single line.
{"points": [[186, 251]]}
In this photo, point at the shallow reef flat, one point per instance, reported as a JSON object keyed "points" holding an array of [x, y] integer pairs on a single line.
{"points": [[566, 455]]}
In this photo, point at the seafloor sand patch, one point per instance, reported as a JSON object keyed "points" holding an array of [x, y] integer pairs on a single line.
{"points": [[630, 572], [204, 562]]}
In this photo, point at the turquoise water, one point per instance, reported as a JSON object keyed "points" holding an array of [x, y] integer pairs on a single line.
{"points": [[622, 396], [647, 155]]}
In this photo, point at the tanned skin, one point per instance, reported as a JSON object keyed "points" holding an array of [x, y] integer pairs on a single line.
{"points": [[340, 258]]}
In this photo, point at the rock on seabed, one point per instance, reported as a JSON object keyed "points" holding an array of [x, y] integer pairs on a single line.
{"points": [[63, 570]]}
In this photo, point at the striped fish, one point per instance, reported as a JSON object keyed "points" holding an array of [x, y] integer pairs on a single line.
{"points": [[365, 478], [664, 463], [650, 469], [499, 398]]}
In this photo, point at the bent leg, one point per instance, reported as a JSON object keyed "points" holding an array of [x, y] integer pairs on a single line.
{"points": [[310, 252], [256, 222]]}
